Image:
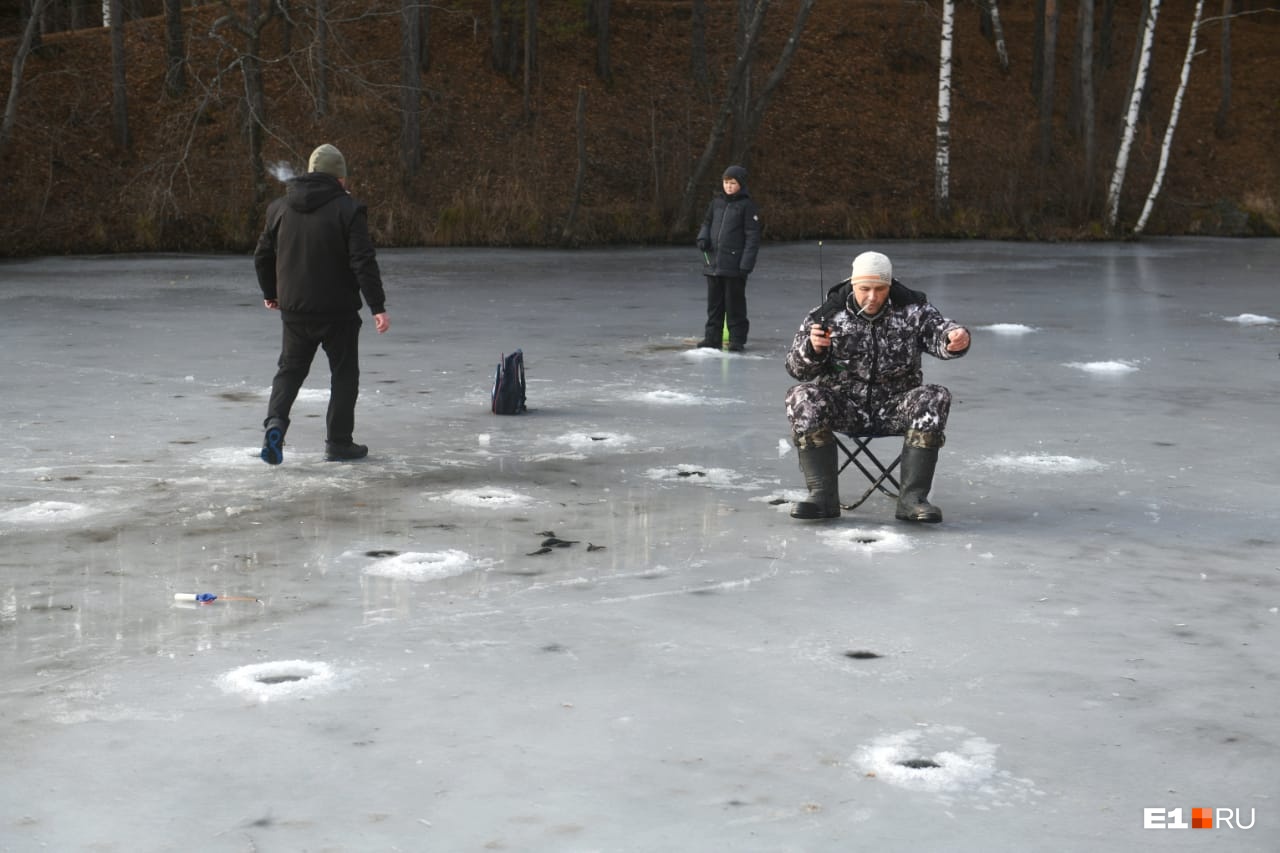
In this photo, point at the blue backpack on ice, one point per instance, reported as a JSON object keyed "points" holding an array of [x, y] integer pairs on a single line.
{"points": [[508, 385]]}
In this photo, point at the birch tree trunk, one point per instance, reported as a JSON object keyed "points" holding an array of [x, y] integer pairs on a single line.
{"points": [[15, 80], [1173, 121], [1131, 118], [942, 175], [997, 32]]}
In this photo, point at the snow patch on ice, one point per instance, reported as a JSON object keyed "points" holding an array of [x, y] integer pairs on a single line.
{"points": [[1103, 366], [704, 353], [784, 447], [724, 478], [584, 440], [488, 497], [666, 397], [966, 767], [964, 761], [279, 679], [1009, 329], [1043, 463], [1252, 320], [426, 566], [46, 512], [867, 541]]}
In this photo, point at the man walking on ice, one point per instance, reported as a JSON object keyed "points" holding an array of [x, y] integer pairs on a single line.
{"points": [[314, 260]]}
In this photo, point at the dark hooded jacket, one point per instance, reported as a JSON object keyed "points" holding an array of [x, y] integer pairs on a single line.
{"points": [[871, 359], [730, 233], [315, 255]]}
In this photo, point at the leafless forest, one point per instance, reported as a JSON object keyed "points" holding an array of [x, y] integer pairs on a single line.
{"points": [[161, 125]]}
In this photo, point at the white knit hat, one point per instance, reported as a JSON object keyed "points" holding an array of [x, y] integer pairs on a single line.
{"points": [[873, 265], [329, 160]]}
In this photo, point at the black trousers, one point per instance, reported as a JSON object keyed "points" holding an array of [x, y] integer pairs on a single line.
{"points": [[727, 303], [340, 337]]}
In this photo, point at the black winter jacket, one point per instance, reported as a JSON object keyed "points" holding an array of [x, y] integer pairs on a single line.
{"points": [[730, 235], [315, 255]]}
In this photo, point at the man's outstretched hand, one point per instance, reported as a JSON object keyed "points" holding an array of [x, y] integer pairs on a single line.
{"points": [[957, 340]]}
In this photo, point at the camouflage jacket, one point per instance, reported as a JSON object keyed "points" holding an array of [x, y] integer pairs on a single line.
{"points": [[871, 358]]}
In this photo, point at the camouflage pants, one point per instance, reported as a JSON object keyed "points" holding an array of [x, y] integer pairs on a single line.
{"points": [[811, 407]]}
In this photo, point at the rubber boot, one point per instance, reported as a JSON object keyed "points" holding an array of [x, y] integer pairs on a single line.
{"points": [[817, 452], [919, 459], [273, 440]]}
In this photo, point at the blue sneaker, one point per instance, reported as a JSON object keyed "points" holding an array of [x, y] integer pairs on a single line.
{"points": [[273, 444]]}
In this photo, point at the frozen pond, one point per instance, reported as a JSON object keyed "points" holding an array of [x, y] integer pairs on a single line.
{"points": [[396, 661]]}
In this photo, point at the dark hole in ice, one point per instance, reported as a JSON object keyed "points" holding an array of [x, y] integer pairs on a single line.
{"points": [[866, 540], [862, 655], [237, 396], [777, 501], [919, 763], [599, 438], [554, 647], [280, 679], [691, 473], [382, 552]]}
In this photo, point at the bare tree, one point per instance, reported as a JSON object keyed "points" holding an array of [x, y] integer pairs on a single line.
{"points": [[1047, 79], [410, 89], [250, 26], [698, 55], [683, 214], [175, 78], [321, 47], [1173, 121], [604, 66], [1224, 92], [15, 80], [755, 115], [424, 40], [581, 176], [1083, 94], [530, 52], [504, 42], [1137, 90], [942, 175], [119, 85]]}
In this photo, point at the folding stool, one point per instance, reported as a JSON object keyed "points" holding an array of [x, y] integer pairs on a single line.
{"points": [[874, 470]]}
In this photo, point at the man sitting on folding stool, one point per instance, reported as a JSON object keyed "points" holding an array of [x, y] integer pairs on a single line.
{"points": [[857, 357]]}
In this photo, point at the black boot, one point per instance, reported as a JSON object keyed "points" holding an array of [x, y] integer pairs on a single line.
{"points": [[345, 451], [919, 459], [817, 452]]}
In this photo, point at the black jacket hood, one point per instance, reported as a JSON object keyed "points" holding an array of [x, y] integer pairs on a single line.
{"points": [[312, 191]]}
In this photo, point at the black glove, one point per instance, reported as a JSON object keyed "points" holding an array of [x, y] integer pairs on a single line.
{"points": [[704, 244]]}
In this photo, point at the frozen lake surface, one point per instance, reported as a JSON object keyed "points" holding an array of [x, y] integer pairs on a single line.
{"points": [[1091, 632]]}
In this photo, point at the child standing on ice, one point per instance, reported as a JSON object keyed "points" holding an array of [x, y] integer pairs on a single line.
{"points": [[729, 239]]}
